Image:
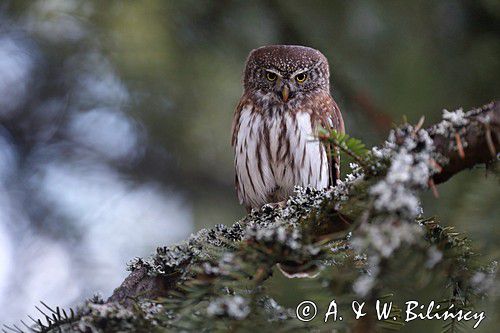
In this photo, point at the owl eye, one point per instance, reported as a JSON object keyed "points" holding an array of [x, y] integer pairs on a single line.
{"points": [[271, 76], [301, 77]]}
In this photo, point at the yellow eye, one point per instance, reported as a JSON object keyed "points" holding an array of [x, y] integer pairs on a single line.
{"points": [[271, 76], [301, 77]]}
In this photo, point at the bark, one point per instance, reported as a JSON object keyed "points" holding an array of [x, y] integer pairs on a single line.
{"points": [[139, 285], [481, 139]]}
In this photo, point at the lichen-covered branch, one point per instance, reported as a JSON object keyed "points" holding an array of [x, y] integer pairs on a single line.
{"points": [[479, 131], [358, 236]]}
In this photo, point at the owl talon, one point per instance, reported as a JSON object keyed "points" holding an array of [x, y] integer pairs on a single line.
{"points": [[274, 205]]}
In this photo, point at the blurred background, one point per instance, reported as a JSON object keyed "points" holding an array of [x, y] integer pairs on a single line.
{"points": [[115, 120]]}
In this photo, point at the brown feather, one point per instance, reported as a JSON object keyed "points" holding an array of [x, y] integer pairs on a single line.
{"points": [[330, 118]]}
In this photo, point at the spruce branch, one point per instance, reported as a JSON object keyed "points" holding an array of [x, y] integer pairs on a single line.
{"points": [[479, 131], [471, 125], [357, 235]]}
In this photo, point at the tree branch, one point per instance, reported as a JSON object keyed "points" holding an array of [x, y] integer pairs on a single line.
{"points": [[478, 133], [481, 135]]}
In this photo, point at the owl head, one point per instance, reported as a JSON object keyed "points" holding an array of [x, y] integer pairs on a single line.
{"points": [[286, 72]]}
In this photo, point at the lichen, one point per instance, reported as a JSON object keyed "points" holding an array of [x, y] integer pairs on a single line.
{"points": [[269, 224], [274, 311], [451, 121], [234, 307], [409, 171]]}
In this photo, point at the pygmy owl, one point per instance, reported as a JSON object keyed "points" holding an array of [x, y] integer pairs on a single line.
{"points": [[286, 98]]}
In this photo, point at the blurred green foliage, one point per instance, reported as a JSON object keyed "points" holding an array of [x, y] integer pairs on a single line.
{"points": [[183, 60], [183, 63]]}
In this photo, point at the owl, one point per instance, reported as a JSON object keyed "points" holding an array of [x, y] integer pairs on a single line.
{"points": [[286, 99]]}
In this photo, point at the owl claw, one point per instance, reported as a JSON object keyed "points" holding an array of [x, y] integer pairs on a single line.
{"points": [[274, 205]]}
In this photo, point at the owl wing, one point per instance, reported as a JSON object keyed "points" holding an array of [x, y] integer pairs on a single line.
{"points": [[330, 118], [235, 126]]}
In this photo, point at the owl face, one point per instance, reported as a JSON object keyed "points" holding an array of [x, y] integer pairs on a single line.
{"points": [[284, 73]]}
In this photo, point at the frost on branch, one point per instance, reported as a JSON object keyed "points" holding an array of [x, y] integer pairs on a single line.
{"points": [[360, 235]]}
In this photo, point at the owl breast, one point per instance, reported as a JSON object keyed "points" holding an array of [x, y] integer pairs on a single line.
{"points": [[276, 150]]}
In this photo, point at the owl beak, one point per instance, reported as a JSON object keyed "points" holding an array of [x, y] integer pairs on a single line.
{"points": [[284, 93]]}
